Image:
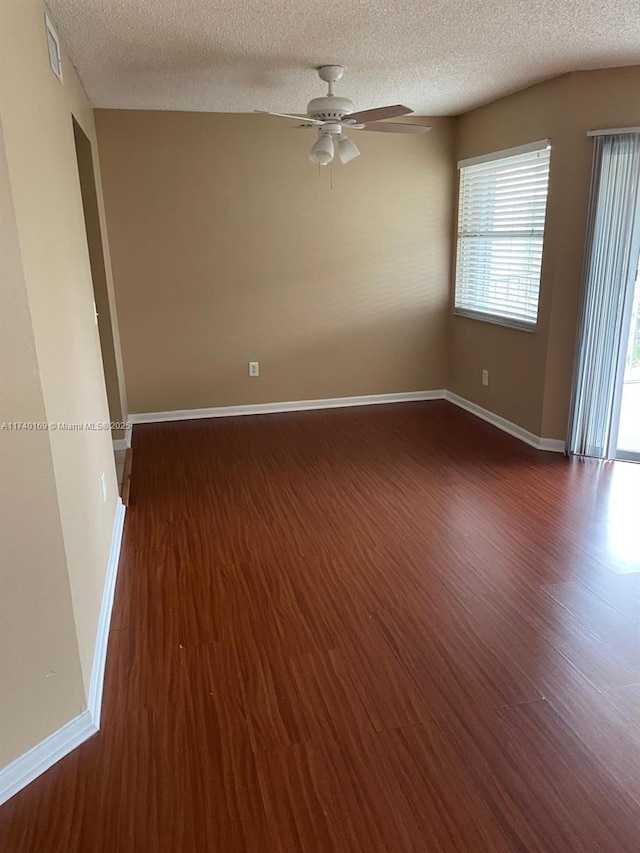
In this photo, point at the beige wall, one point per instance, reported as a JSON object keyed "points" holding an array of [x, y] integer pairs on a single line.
{"points": [[530, 374], [54, 563], [228, 246], [40, 677]]}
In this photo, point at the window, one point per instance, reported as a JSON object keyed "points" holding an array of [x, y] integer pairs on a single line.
{"points": [[503, 201]]}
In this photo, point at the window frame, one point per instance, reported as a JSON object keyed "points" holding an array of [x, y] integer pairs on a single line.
{"points": [[488, 316]]}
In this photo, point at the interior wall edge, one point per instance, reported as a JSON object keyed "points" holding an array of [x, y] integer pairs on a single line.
{"points": [[43, 755], [37, 113]]}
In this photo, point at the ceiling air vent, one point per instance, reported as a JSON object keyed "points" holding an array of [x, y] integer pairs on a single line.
{"points": [[53, 44]]}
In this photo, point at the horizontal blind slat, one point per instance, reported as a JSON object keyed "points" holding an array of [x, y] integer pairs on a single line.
{"points": [[502, 210]]}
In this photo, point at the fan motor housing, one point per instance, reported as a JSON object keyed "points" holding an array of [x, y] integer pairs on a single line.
{"points": [[330, 108]]}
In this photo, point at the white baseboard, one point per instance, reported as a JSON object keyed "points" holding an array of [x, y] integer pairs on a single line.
{"points": [[555, 445], [44, 755], [342, 402], [552, 444], [104, 620], [290, 406], [123, 443]]}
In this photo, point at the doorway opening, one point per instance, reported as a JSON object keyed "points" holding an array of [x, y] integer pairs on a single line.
{"points": [[86, 174]]}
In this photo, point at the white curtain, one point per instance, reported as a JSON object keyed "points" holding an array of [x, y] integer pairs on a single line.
{"points": [[614, 220]]}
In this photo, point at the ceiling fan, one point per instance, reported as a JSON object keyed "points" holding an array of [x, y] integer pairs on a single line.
{"points": [[332, 115]]}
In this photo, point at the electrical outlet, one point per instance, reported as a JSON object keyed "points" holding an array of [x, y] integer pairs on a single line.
{"points": [[254, 368], [485, 377], [103, 483]]}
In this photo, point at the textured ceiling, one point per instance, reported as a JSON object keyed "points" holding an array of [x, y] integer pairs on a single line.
{"points": [[440, 57]]}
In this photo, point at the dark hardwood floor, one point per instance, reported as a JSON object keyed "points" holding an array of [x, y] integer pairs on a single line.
{"points": [[381, 630]]}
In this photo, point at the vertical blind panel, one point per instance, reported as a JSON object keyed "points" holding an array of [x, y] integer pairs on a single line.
{"points": [[501, 218], [614, 208]]}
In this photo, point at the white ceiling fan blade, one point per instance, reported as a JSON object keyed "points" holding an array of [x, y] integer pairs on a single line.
{"points": [[379, 113], [395, 127], [287, 115]]}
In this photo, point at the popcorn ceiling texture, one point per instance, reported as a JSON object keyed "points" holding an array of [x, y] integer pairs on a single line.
{"points": [[439, 58]]}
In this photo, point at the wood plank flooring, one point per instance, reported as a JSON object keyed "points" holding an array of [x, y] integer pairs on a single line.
{"points": [[373, 630]]}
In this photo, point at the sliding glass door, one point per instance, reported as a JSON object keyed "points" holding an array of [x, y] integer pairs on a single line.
{"points": [[628, 420], [605, 418]]}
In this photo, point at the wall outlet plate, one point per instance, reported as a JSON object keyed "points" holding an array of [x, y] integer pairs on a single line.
{"points": [[485, 377], [254, 368]]}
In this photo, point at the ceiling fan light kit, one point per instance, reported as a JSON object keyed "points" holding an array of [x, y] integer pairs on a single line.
{"points": [[332, 115], [347, 150], [322, 151]]}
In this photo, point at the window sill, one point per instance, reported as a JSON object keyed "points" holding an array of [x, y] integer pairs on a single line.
{"points": [[496, 320]]}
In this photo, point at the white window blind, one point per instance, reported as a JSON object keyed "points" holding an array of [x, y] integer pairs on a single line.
{"points": [[501, 215]]}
